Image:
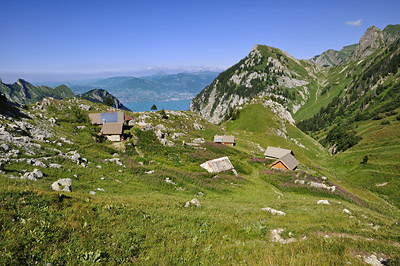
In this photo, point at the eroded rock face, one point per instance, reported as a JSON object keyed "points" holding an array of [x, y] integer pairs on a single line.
{"points": [[264, 72], [62, 185], [369, 42]]}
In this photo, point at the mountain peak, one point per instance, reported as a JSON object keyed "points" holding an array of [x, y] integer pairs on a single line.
{"points": [[21, 82], [369, 42]]}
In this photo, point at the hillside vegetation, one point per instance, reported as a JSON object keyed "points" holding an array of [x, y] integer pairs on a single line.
{"points": [[136, 217]]}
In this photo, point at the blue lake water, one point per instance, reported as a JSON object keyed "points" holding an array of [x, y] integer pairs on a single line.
{"points": [[181, 105]]}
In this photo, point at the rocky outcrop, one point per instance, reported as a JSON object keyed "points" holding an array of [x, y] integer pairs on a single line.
{"points": [[369, 42], [100, 96], [266, 71]]}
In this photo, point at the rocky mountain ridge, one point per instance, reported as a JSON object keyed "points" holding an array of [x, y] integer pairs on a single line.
{"points": [[23, 92], [266, 71], [272, 73], [100, 96], [371, 40]]}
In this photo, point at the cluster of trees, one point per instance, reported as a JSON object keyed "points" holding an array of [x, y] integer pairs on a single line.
{"points": [[325, 117], [342, 136]]}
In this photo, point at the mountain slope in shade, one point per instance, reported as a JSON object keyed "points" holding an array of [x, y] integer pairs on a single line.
{"points": [[99, 96], [23, 92]]}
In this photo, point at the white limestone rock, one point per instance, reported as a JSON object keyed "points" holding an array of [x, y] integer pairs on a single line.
{"points": [[323, 202], [62, 185], [194, 202], [273, 211]]}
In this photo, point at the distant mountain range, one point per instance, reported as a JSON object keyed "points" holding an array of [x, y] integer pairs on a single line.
{"points": [[158, 87], [23, 92]]}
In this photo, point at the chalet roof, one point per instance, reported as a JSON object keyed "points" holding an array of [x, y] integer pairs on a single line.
{"points": [[111, 117], [228, 139], [289, 161], [95, 118], [112, 128], [218, 165], [274, 152], [218, 138], [116, 117]]}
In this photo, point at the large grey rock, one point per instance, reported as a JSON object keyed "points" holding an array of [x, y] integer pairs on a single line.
{"points": [[62, 185], [38, 173], [5, 147], [34, 176]]}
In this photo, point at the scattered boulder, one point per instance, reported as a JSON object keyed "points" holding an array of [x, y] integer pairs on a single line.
{"points": [[321, 185], [84, 107], [276, 236], [323, 202], [39, 164], [54, 165], [175, 136], [197, 126], [92, 192], [149, 172], [62, 185], [373, 260], [169, 181], [1, 166], [347, 211], [100, 189], [273, 211], [194, 202], [35, 175], [52, 120], [5, 147]]}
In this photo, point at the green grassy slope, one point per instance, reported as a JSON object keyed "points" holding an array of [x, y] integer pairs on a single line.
{"points": [[141, 219], [381, 174]]}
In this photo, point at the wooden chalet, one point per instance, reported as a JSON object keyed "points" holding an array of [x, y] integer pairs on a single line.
{"points": [[226, 140]]}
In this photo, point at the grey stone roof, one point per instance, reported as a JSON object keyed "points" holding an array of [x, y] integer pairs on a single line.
{"points": [[274, 152]]}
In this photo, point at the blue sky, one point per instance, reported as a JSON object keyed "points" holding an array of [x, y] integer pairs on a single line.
{"points": [[64, 40]]}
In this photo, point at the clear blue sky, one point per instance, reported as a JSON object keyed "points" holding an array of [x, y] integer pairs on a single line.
{"points": [[61, 40]]}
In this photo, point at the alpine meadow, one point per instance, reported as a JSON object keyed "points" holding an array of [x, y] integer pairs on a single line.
{"points": [[278, 161]]}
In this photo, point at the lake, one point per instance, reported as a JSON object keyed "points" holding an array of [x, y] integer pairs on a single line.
{"points": [[181, 105]]}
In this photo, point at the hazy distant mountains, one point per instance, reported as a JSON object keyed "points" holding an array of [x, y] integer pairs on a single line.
{"points": [[158, 87]]}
